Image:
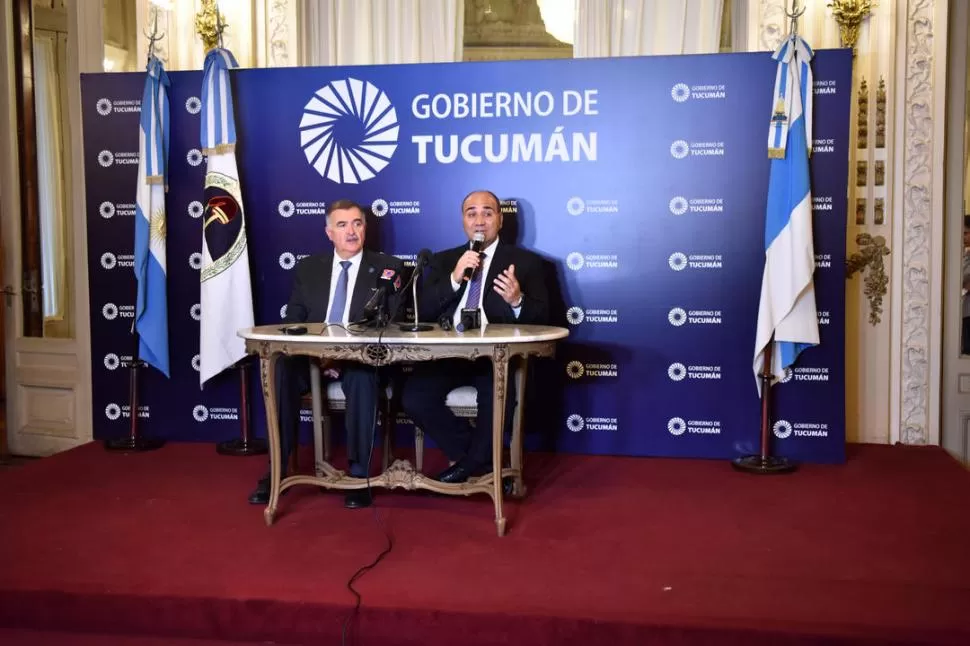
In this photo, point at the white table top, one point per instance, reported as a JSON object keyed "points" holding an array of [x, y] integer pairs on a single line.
{"points": [[321, 333]]}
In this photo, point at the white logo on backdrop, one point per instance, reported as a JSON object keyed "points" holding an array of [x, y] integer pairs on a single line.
{"points": [[782, 429], [194, 157], [677, 371], [575, 206], [680, 92], [677, 261], [103, 107], [110, 311], [195, 260], [287, 260], [197, 363], [193, 105], [196, 312], [349, 162], [575, 423], [575, 369], [677, 316], [105, 158], [108, 260], [286, 208], [200, 413], [677, 426], [196, 209], [112, 411], [107, 210], [379, 207], [112, 361], [283, 312], [575, 315], [575, 261], [678, 205], [679, 149]]}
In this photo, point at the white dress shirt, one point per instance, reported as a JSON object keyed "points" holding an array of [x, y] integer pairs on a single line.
{"points": [[351, 281], [489, 253]]}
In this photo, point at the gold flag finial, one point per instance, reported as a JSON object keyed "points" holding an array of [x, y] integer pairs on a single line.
{"points": [[209, 25]]}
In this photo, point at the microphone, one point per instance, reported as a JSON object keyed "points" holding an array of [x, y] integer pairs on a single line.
{"points": [[388, 283], [477, 248]]}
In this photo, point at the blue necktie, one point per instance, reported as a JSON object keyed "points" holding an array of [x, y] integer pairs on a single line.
{"points": [[474, 291], [340, 295]]}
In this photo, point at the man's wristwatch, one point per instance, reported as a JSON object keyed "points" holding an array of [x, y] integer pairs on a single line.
{"points": [[519, 303]]}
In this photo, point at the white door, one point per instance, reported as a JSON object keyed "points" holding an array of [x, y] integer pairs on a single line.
{"points": [[46, 312], [956, 299]]}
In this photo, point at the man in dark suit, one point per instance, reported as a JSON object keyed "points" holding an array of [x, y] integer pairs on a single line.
{"points": [[507, 285], [333, 287]]}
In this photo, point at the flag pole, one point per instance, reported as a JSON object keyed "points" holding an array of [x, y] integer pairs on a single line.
{"points": [[764, 463], [246, 444]]}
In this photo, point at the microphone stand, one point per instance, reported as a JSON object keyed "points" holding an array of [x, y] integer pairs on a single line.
{"points": [[415, 326]]}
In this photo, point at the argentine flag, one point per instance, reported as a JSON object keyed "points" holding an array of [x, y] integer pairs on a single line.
{"points": [[226, 290], [151, 307], [787, 308]]}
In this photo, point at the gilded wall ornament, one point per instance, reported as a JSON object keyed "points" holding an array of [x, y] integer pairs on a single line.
{"points": [[870, 255], [850, 14]]}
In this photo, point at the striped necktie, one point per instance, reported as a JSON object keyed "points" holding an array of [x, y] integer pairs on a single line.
{"points": [[340, 295]]}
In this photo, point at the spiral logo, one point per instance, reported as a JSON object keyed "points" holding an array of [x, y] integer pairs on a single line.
{"points": [[194, 157], [575, 423], [787, 376], [782, 429], [349, 131], [678, 205], [677, 261], [103, 106], [575, 369], [197, 363], [283, 312], [677, 371], [287, 260], [379, 208], [193, 105], [196, 209], [679, 149], [105, 158], [575, 261], [200, 413], [677, 426], [195, 260], [575, 206], [108, 260], [196, 312], [575, 315], [677, 316], [112, 411], [680, 92], [107, 210], [109, 311], [286, 208], [111, 361]]}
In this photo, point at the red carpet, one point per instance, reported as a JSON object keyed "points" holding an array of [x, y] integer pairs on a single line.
{"points": [[163, 548]]}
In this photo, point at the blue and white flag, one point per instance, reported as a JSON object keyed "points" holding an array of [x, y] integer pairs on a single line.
{"points": [[787, 308], [227, 293], [151, 306]]}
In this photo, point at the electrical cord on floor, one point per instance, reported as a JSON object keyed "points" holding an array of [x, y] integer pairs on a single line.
{"points": [[387, 534]]}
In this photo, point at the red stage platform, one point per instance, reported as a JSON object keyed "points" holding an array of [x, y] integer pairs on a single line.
{"points": [[162, 547]]}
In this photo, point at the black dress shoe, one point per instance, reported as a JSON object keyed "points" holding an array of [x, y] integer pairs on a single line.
{"points": [[260, 495], [358, 499], [456, 473]]}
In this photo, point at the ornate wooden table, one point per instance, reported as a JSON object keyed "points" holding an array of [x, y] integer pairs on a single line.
{"points": [[374, 347]]}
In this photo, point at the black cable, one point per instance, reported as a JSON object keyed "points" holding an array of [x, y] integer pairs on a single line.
{"points": [[390, 541]]}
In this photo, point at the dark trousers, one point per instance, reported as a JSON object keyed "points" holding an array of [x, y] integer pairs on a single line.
{"points": [[423, 399], [360, 389]]}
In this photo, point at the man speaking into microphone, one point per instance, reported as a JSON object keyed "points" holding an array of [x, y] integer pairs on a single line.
{"points": [[337, 288], [483, 281]]}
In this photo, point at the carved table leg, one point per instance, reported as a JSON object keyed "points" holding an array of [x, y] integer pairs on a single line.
{"points": [[267, 369], [518, 419], [500, 369]]}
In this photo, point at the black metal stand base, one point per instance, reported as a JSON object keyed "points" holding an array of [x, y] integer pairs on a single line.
{"points": [[419, 327], [129, 444], [765, 465], [242, 447]]}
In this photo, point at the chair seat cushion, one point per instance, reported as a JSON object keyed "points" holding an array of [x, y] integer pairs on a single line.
{"points": [[335, 392], [463, 397]]}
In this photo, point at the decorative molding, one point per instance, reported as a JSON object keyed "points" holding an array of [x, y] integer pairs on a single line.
{"points": [[870, 255], [773, 25], [917, 224], [279, 34]]}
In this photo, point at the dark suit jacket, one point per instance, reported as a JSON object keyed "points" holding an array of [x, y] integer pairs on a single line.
{"points": [[437, 299], [310, 297]]}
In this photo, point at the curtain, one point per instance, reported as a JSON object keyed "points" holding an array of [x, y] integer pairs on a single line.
{"points": [[379, 32], [50, 176], [647, 27]]}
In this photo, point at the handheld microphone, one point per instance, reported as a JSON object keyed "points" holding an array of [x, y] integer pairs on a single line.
{"points": [[389, 283], [477, 248]]}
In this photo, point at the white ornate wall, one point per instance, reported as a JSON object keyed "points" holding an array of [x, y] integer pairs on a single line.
{"points": [[892, 367]]}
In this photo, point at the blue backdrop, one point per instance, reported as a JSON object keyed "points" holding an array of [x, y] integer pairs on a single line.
{"points": [[641, 180]]}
